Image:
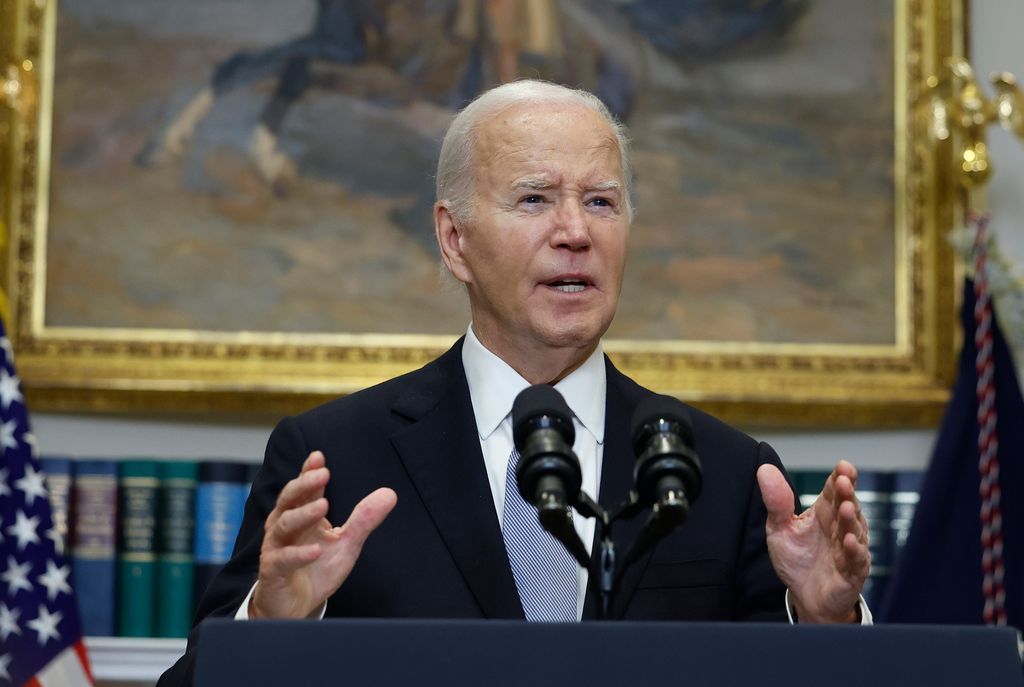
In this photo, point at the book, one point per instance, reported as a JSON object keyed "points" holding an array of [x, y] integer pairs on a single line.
{"points": [[175, 578], [58, 473], [221, 491], [808, 484], [93, 535], [906, 491], [873, 491], [136, 553]]}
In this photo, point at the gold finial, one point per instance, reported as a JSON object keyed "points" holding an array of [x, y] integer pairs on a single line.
{"points": [[967, 112]]}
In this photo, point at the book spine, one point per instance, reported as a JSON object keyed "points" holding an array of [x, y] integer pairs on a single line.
{"points": [[58, 486], [138, 483], [808, 484], [906, 492], [175, 560], [220, 501], [93, 539], [874, 488]]}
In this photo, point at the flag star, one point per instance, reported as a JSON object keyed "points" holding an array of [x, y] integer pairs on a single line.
{"points": [[5, 344], [10, 389], [16, 576], [7, 439], [9, 622], [24, 529], [30, 439], [32, 484], [58, 541], [4, 489], [46, 624], [55, 580], [5, 661]]}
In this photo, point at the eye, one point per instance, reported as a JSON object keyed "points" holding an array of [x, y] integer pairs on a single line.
{"points": [[601, 202], [532, 199]]}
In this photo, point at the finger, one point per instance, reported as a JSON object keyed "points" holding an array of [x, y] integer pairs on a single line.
{"points": [[308, 486], [293, 524], [843, 469], [857, 556], [848, 470], [281, 562], [367, 516], [848, 522], [777, 495]]}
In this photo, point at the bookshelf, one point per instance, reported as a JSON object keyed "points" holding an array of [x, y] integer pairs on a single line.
{"points": [[117, 660]]}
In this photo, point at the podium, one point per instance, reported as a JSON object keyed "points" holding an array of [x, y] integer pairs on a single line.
{"points": [[499, 653]]}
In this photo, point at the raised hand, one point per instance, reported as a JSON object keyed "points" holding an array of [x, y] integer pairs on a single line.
{"points": [[304, 559], [821, 555]]}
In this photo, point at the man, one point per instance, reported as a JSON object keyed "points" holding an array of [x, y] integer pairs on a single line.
{"points": [[533, 217]]}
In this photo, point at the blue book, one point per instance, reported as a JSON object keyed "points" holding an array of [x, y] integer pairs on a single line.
{"points": [[906, 492], [93, 543], [221, 491]]}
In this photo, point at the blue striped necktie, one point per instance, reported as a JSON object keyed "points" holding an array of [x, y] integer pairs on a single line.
{"points": [[544, 571]]}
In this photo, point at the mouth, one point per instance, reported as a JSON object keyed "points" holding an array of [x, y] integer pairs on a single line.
{"points": [[569, 284]]}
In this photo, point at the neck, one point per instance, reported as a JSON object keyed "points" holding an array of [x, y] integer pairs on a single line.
{"points": [[535, 362]]}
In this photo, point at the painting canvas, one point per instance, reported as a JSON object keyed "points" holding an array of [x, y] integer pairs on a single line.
{"points": [[249, 165], [225, 205]]}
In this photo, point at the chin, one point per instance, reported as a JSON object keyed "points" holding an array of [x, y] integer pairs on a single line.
{"points": [[579, 334]]}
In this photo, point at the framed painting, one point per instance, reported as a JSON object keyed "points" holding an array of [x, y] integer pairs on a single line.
{"points": [[227, 206]]}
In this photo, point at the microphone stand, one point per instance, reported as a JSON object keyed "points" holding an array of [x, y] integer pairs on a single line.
{"points": [[666, 515]]}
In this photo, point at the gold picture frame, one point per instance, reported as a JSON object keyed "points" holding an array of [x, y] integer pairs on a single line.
{"points": [[756, 384]]}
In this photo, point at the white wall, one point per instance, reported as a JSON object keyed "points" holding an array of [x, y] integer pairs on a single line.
{"points": [[996, 45]]}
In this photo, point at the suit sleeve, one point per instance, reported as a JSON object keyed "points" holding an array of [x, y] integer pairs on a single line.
{"points": [[286, 451], [760, 593]]}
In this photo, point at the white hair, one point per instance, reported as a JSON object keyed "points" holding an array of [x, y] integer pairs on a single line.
{"points": [[455, 178]]}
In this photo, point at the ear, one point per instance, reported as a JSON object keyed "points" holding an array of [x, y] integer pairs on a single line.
{"points": [[449, 239]]}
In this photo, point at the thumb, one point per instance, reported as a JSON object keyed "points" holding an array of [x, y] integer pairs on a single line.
{"points": [[368, 515], [777, 495]]}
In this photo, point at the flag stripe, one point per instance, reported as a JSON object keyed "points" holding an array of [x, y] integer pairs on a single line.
{"points": [[67, 669]]}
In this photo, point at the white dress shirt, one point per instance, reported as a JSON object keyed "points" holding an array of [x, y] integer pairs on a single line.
{"points": [[493, 387]]}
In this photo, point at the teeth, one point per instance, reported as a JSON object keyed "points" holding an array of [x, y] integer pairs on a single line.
{"points": [[570, 288]]}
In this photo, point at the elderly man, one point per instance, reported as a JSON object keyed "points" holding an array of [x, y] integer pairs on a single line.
{"points": [[533, 217]]}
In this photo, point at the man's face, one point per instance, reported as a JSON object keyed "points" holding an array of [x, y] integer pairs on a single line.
{"points": [[543, 252]]}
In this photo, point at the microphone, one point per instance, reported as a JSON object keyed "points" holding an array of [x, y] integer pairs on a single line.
{"points": [[549, 474], [668, 472]]}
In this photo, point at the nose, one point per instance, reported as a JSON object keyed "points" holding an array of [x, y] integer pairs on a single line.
{"points": [[572, 229]]}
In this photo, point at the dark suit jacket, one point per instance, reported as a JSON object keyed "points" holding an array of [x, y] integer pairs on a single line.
{"points": [[440, 552]]}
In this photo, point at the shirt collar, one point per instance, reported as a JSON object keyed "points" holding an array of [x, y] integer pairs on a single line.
{"points": [[494, 385]]}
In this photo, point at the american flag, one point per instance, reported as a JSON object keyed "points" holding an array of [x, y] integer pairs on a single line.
{"points": [[40, 636]]}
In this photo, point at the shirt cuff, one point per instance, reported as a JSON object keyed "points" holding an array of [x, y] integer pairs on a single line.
{"points": [[862, 606], [243, 611]]}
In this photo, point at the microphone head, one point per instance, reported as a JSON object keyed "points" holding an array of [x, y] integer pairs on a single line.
{"points": [[541, 403], [660, 414]]}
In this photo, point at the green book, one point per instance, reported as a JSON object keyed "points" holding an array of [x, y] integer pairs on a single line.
{"points": [[808, 484], [175, 560], [136, 551]]}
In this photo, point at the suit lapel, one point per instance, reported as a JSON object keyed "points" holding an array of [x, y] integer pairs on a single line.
{"points": [[441, 452], [616, 480]]}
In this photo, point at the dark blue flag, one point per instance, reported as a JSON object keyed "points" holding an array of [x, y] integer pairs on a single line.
{"points": [[40, 637], [940, 577]]}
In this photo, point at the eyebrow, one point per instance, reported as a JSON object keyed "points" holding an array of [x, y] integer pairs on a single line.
{"points": [[539, 184], [606, 186], [535, 183]]}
